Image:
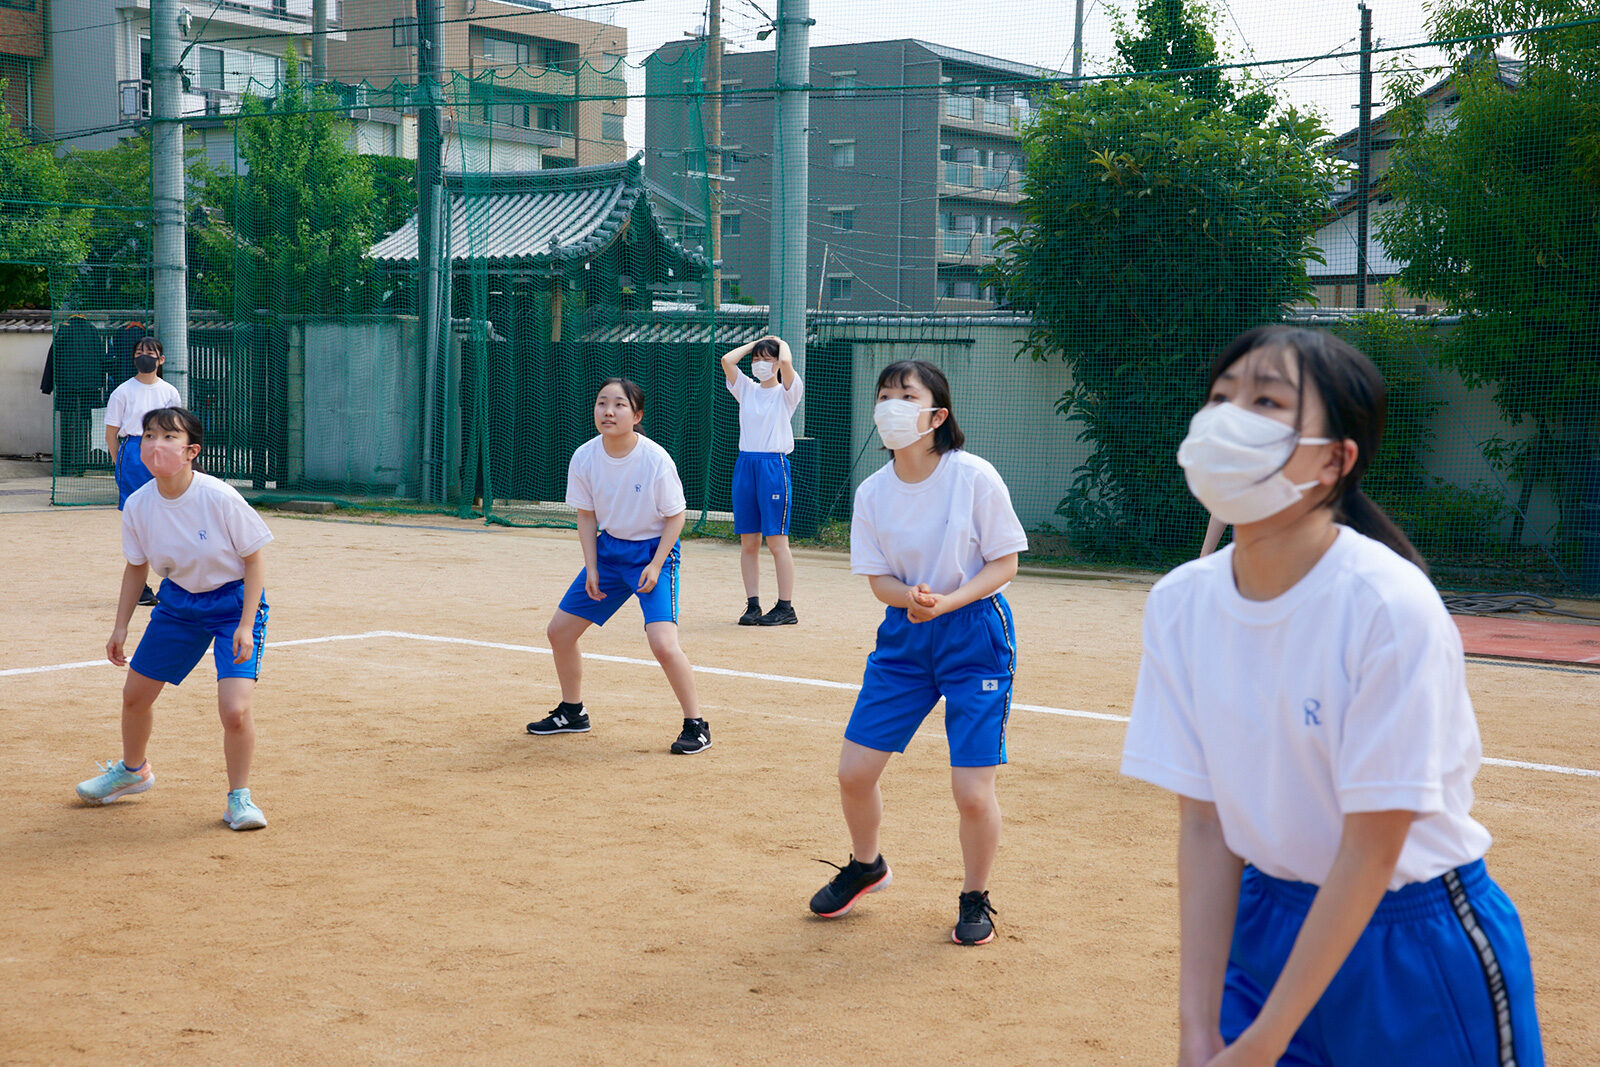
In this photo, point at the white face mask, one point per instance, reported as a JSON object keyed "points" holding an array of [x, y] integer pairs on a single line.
{"points": [[1233, 461], [897, 423], [763, 369]]}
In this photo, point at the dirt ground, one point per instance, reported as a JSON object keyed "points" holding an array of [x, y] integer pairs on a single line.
{"points": [[436, 885]]}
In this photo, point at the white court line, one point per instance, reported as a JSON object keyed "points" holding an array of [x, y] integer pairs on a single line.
{"points": [[788, 679]]}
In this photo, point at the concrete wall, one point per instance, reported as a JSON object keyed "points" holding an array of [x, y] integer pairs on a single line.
{"points": [[25, 413]]}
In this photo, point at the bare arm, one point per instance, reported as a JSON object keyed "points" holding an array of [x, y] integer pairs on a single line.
{"points": [[730, 360], [1214, 528], [1208, 898], [255, 583], [588, 531], [1369, 848], [669, 537], [786, 373], [133, 576], [112, 433]]}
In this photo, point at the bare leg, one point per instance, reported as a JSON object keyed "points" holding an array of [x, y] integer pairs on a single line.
{"points": [[138, 716], [750, 563], [859, 770], [783, 560], [563, 633], [238, 728], [980, 822], [664, 644]]}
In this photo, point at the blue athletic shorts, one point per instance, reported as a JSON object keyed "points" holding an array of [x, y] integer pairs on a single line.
{"points": [[620, 564], [184, 623], [761, 493], [968, 657], [1439, 976], [131, 471]]}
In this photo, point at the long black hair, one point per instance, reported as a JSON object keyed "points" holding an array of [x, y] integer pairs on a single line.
{"points": [[947, 436], [1353, 397]]}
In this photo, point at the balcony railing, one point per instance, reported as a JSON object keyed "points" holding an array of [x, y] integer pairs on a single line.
{"points": [[973, 176], [133, 100], [967, 243], [987, 112]]}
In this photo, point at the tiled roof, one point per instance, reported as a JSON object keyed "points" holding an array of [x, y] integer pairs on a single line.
{"points": [[544, 218]]}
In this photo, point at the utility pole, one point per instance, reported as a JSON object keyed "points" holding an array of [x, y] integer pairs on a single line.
{"points": [[429, 232], [791, 178], [319, 41], [1364, 157], [1077, 42], [713, 80], [171, 266]]}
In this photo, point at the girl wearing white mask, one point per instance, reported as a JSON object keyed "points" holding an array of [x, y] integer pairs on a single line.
{"points": [[1303, 692], [935, 534], [206, 543], [761, 481], [125, 411]]}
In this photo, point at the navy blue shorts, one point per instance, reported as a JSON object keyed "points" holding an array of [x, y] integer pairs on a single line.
{"points": [[620, 563], [761, 494], [1439, 976], [184, 623], [131, 471], [969, 657]]}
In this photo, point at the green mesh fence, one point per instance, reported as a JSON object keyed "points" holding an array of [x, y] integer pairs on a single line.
{"points": [[1071, 254]]}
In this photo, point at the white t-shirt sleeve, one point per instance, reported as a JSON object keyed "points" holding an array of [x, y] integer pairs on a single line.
{"points": [[1162, 745], [246, 529], [999, 531], [117, 408], [579, 493], [740, 385], [793, 393], [669, 487], [1398, 724], [132, 550], [866, 554]]}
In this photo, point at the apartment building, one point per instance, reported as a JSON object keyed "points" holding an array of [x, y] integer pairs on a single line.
{"points": [[528, 88], [22, 53], [909, 189]]}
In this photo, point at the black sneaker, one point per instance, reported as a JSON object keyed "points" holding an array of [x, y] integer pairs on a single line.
{"points": [[974, 927], [147, 599], [854, 880], [781, 615], [752, 614], [561, 721], [696, 737]]}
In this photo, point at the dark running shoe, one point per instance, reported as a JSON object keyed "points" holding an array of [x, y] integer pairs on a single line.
{"points": [[854, 880], [974, 927], [696, 737], [147, 599], [561, 721], [781, 615], [752, 614]]}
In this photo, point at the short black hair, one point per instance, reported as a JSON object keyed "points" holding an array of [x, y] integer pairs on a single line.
{"points": [[630, 389], [176, 419], [766, 348]]}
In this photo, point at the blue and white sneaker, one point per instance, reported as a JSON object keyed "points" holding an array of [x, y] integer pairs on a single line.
{"points": [[242, 813], [115, 781]]}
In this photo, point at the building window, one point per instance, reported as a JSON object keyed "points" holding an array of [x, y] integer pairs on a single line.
{"points": [[730, 93], [730, 223], [550, 118], [519, 115], [207, 73], [19, 5], [550, 55], [844, 153], [842, 219], [839, 287], [405, 32], [844, 82], [611, 127], [731, 161], [504, 52]]}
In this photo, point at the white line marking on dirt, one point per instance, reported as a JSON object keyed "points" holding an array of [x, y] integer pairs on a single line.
{"points": [[789, 679]]}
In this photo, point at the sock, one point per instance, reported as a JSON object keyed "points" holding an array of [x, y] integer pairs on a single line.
{"points": [[568, 706], [781, 604], [752, 602], [136, 770]]}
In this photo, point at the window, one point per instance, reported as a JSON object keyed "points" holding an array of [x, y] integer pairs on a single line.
{"points": [[730, 223], [503, 52], [731, 160], [550, 55], [207, 73], [947, 154], [842, 219], [730, 93], [611, 127], [844, 153], [405, 32], [839, 287], [551, 118], [520, 115], [844, 82]]}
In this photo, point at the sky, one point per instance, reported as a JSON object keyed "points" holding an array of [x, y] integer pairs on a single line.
{"points": [[1039, 32]]}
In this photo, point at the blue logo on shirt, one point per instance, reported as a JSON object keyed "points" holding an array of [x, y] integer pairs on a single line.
{"points": [[638, 488], [202, 535], [1312, 707]]}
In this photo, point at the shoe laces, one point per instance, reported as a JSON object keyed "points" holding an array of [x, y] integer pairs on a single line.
{"points": [[112, 766], [844, 871], [975, 906]]}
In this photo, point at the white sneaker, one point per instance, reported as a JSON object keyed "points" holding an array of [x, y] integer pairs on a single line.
{"points": [[242, 813]]}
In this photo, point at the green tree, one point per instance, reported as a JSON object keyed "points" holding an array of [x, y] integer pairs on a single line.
{"points": [[301, 215], [1156, 228], [1497, 215], [37, 231], [1178, 35]]}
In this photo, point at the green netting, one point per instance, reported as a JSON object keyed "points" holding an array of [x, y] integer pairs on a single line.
{"points": [[1072, 254]]}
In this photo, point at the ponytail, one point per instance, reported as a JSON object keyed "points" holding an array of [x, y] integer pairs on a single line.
{"points": [[1356, 510]]}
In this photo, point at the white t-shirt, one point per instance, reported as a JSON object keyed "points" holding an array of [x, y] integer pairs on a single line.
{"points": [[765, 414], [941, 530], [631, 497], [132, 400], [1346, 694], [198, 540]]}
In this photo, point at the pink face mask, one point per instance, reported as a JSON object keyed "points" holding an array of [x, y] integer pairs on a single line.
{"points": [[163, 458]]}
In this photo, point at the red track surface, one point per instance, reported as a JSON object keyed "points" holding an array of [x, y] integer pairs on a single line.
{"points": [[1535, 639]]}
